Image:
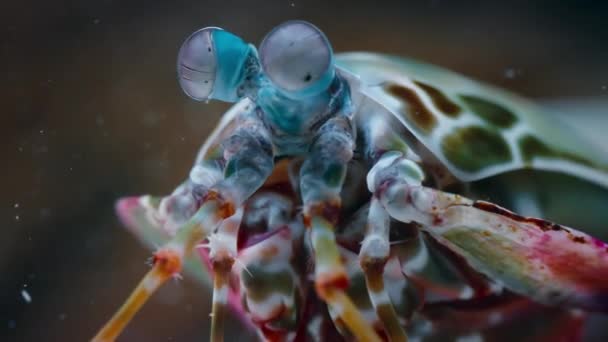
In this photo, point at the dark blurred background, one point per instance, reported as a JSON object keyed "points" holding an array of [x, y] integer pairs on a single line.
{"points": [[91, 111]]}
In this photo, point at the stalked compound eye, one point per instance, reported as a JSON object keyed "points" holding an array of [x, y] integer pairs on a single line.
{"points": [[197, 64], [297, 57], [211, 63]]}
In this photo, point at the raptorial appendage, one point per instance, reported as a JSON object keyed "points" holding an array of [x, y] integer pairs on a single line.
{"points": [[544, 261]]}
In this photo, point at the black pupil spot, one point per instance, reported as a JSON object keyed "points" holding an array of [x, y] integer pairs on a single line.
{"points": [[209, 49], [307, 78]]}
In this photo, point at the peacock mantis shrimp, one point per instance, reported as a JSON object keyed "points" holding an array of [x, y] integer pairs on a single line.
{"points": [[339, 198]]}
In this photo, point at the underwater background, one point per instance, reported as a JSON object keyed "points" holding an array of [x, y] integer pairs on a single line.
{"points": [[91, 111]]}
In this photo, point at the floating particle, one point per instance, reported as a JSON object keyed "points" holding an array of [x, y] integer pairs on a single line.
{"points": [[512, 73], [99, 120], [26, 296]]}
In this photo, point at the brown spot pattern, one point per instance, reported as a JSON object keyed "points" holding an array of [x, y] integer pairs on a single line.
{"points": [[491, 112], [441, 101], [532, 147], [578, 239], [473, 148], [415, 111]]}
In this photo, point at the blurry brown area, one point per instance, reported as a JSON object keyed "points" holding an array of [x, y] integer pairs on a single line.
{"points": [[91, 111]]}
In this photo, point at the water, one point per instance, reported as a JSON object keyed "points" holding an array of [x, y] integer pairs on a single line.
{"points": [[98, 79]]}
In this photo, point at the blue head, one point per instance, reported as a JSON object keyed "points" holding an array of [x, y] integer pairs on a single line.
{"points": [[295, 57]]}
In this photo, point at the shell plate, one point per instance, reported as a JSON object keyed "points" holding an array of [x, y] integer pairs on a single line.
{"points": [[475, 130]]}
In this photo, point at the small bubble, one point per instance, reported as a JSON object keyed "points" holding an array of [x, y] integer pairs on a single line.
{"points": [[26, 296], [16, 205], [604, 87], [17, 218], [512, 73], [62, 317], [293, 4], [12, 324], [96, 21], [99, 120], [41, 131]]}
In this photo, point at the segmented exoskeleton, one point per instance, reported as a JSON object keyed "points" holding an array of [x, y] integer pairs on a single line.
{"points": [[383, 155]]}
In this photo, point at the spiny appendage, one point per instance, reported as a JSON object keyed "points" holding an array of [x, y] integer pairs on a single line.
{"points": [[374, 254], [167, 262], [222, 252], [221, 268], [271, 284], [529, 256], [331, 279]]}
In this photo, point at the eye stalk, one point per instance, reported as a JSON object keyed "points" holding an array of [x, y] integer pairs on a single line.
{"points": [[298, 59], [211, 63]]}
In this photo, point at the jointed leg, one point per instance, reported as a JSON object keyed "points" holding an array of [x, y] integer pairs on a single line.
{"points": [[375, 249], [249, 161], [222, 252], [321, 179], [374, 253], [167, 263]]}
